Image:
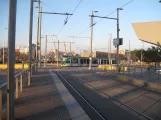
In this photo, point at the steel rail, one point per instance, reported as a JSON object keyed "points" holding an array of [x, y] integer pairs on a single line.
{"points": [[140, 113], [82, 97]]}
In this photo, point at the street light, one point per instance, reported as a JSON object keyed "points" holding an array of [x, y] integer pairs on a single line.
{"points": [[120, 8], [118, 29], [90, 57], [109, 47], [94, 11]]}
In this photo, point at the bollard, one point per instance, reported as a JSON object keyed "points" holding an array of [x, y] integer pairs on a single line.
{"points": [[103, 67], [111, 68], [1, 104], [21, 82], [16, 87], [22, 64], [26, 75], [28, 78], [35, 68], [31, 70]]}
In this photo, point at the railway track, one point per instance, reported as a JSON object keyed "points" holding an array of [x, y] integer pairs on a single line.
{"points": [[85, 80], [83, 98]]}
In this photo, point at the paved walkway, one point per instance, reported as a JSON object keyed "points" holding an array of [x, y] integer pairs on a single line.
{"points": [[47, 99]]}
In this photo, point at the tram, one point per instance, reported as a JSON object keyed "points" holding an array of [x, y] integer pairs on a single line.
{"points": [[84, 61]]}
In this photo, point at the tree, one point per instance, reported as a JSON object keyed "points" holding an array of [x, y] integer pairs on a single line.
{"points": [[152, 54], [137, 54]]}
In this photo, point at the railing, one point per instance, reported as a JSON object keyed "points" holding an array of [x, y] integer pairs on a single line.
{"points": [[145, 73], [20, 78]]}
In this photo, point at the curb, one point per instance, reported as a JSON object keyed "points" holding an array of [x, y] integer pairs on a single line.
{"points": [[138, 82]]}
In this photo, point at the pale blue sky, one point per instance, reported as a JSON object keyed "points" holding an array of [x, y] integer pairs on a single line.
{"points": [[136, 11]]}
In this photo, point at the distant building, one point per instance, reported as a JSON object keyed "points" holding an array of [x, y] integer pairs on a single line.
{"points": [[21, 49], [121, 51], [25, 49], [100, 54], [5, 51], [53, 54]]}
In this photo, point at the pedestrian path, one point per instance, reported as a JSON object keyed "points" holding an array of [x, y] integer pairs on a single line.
{"points": [[47, 99]]}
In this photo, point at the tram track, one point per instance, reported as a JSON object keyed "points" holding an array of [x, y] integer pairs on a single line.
{"points": [[83, 98], [115, 99], [105, 114], [97, 89]]}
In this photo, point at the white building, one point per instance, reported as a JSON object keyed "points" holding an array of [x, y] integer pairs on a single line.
{"points": [[25, 49]]}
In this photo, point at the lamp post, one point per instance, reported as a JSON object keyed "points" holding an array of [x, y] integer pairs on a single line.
{"points": [[45, 51], [40, 38], [118, 29], [38, 30], [54, 47], [109, 47], [118, 9], [90, 57], [11, 60]]}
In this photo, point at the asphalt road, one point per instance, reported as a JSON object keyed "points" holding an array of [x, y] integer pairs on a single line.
{"points": [[141, 99]]}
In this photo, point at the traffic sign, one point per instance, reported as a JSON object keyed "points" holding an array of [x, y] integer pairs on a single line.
{"points": [[118, 41]]}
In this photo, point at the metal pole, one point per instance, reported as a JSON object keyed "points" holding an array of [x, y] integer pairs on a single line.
{"points": [[40, 38], [45, 50], [129, 53], [3, 50], [110, 49], [90, 58], [11, 59], [58, 55], [142, 57], [110, 44], [118, 38], [37, 40], [30, 42], [70, 48]]}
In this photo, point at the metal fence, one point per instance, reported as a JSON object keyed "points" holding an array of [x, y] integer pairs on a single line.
{"points": [[20, 79], [147, 73]]}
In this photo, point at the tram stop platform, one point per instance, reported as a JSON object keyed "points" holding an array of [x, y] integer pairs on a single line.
{"points": [[47, 99]]}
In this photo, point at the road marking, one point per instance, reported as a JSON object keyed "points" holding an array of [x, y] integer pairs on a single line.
{"points": [[73, 107]]}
